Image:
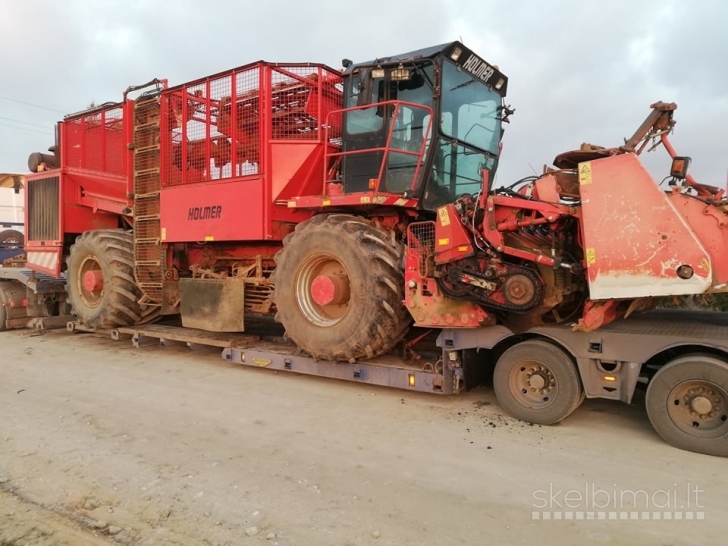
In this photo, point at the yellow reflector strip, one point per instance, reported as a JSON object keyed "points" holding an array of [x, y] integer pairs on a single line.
{"points": [[443, 242], [262, 362]]}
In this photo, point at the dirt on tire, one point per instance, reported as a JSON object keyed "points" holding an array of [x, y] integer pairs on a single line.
{"points": [[375, 319], [113, 251], [569, 392]]}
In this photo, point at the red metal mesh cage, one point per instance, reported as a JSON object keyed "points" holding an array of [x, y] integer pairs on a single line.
{"points": [[95, 141], [200, 139], [219, 127], [421, 243], [301, 99]]}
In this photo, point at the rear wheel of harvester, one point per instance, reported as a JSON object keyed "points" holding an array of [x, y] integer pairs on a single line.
{"points": [[537, 382], [339, 287], [100, 279], [687, 403]]}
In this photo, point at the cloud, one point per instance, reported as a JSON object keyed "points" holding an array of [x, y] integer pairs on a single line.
{"points": [[579, 71]]}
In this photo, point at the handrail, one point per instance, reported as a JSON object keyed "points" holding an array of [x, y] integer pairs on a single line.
{"points": [[388, 146]]}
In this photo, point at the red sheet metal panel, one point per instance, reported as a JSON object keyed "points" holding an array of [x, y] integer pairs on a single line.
{"points": [[636, 243], [230, 210], [47, 260], [710, 224]]}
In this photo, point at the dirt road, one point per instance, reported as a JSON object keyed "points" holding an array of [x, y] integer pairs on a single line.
{"points": [[101, 443]]}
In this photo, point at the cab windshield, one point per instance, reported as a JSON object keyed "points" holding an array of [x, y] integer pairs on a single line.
{"points": [[469, 142], [470, 110]]}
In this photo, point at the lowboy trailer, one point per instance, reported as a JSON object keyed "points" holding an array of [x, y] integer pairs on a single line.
{"points": [[357, 209]]}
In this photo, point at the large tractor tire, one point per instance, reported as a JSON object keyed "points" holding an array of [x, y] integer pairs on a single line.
{"points": [[100, 279], [339, 288]]}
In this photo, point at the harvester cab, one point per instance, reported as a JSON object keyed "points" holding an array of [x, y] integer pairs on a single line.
{"points": [[423, 125]]}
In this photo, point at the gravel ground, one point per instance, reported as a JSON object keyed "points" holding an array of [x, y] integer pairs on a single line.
{"points": [[101, 443]]}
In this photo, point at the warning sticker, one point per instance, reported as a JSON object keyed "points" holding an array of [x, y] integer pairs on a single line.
{"points": [[585, 173], [444, 216], [591, 256]]}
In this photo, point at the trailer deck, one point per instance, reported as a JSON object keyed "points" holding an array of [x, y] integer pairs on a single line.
{"points": [[276, 353]]}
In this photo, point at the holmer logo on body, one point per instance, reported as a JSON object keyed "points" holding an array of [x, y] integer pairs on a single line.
{"points": [[479, 68], [204, 213]]}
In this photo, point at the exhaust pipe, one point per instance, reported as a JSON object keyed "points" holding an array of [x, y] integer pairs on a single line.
{"points": [[38, 161]]}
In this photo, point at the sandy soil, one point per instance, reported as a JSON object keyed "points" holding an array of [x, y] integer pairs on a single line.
{"points": [[101, 443]]}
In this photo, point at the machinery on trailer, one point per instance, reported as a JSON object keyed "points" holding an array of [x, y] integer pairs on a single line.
{"points": [[352, 205]]}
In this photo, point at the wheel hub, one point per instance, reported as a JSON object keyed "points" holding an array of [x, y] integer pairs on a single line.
{"points": [[537, 381], [93, 280], [322, 290], [701, 405], [699, 408], [330, 289], [533, 384], [90, 281]]}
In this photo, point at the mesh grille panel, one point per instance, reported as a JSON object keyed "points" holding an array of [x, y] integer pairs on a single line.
{"points": [[43, 209], [421, 241]]}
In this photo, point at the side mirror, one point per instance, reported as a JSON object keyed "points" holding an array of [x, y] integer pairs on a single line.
{"points": [[679, 167]]}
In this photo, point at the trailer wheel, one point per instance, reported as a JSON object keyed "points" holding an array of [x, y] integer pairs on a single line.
{"points": [[100, 279], [687, 403], [11, 237], [339, 287], [537, 382]]}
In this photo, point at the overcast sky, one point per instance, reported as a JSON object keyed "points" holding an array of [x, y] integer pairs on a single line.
{"points": [[580, 71]]}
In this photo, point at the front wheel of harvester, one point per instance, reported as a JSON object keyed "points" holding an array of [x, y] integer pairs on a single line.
{"points": [[537, 382], [339, 288], [100, 279], [687, 403]]}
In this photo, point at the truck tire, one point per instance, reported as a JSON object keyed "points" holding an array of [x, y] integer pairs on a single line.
{"points": [[687, 403], [100, 279], [339, 288], [537, 382], [11, 237]]}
